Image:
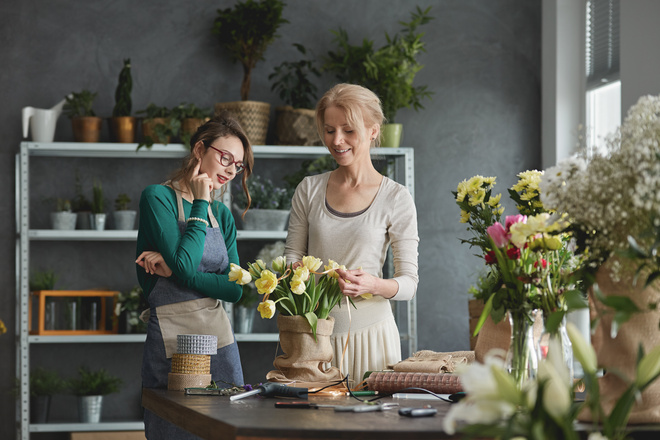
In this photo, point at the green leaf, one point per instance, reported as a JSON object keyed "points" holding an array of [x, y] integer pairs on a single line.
{"points": [[575, 299], [484, 315], [313, 321]]}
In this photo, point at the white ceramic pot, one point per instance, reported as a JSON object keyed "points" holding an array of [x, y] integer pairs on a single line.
{"points": [[97, 221], [125, 220]]}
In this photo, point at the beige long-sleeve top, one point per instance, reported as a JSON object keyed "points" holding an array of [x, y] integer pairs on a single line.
{"points": [[359, 241]]}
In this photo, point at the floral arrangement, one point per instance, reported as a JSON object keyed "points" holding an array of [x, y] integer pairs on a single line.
{"points": [[264, 194], [292, 289], [543, 408]]}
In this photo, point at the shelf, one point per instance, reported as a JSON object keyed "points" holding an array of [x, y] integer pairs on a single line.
{"points": [[112, 235], [82, 427]]}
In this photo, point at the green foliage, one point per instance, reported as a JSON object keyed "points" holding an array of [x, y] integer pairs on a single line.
{"points": [[183, 111], [42, 280], [292, 81], [265, 195], [246, 31], [123, 103], [97, 199], [94, 383], [249, 297], [122, 201], [79, 104], [163, 131], [389, 71], [45, 383], [62, 205], [310, 168], [153, 111]]}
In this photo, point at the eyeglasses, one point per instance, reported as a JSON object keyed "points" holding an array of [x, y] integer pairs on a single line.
{"points": [[226, 159]]}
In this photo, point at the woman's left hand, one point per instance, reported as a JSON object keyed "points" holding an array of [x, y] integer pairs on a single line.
{"points": [[152, 262], [356, 282]]}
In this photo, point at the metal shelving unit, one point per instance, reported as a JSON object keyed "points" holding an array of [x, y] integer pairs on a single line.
{"points": [[400, 168]]}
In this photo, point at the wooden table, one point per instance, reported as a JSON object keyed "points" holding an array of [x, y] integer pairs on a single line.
{"points": [[252, 418]]}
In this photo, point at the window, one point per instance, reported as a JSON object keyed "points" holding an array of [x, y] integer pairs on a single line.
{"points": [[603, 115]]}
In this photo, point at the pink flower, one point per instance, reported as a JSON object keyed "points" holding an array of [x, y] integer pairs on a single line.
{"points": [[542, 262], [498, 234], [511, 219], [513, 253]]}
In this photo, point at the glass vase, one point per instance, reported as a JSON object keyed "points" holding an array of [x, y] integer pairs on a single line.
{"points": [[566, 346], [521, 359]]}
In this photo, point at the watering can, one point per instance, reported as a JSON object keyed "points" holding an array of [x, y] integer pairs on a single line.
{"points": [[42, 122]]}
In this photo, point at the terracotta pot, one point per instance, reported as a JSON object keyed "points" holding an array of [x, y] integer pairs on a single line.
{"points": [[148, 130], [188, 128], [123, 128], [86, 128]]}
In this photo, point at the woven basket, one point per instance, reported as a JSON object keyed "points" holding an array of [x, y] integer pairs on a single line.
{"points": [[296, 126], [253, 116], [191, 363]]}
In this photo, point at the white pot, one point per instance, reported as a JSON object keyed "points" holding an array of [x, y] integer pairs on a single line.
{"points": [[97, 221], [125, 220], [63, 220], [266, 219], [89, 409]]}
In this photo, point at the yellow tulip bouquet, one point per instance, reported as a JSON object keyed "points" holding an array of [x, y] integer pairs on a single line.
{"points": [[293, 289]]}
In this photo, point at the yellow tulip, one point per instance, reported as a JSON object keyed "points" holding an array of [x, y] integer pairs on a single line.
{"points": [[267, 283], [312, 263], [297, 285], [266, 309], [332, 266], [302, 273], [279, 264], [239, 275]]}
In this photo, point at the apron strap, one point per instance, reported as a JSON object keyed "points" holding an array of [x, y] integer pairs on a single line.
{"points": [[179, 204]]}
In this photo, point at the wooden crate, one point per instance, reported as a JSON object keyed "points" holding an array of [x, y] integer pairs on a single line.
{"points": [[108, 300], [108, 435]]}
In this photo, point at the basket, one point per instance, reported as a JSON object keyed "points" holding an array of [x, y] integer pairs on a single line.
{"points": [[191, 363], [296, 126], [197, 344], [253, 116], [180, 382]]}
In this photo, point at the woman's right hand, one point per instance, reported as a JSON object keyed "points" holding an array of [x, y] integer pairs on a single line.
{"points": [[152, 262], [201, 184]]}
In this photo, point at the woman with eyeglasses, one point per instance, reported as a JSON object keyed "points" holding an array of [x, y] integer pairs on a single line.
{"points": [[186, 243], [352, 215]]}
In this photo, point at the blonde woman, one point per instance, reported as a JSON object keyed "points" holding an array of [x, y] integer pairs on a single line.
{"points": [[352, 215]]}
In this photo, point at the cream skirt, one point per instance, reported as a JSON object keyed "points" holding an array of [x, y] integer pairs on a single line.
{"points": [[372, 335]]}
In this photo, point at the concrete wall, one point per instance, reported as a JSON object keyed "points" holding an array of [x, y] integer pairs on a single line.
{"points": [[483, 65]]}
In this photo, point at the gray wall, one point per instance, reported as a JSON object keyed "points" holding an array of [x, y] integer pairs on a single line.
{"points": [[483, 65]]}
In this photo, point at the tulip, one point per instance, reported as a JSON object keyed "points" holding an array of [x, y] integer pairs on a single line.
{"points": [[266, 309], [267, 283], [498, 234], [312, 263], [279, 264], [584, 352], [297, 285]]}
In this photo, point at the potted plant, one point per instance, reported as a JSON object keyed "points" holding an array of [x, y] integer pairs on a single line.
{"points": [[42, 281], [90, 387], [81, 205], [129, 305], [86, 125], [97, 219], [43, 385], [62, 218], [190, 117], [269, 208], [122, 124], [246, 31], [123, 216], [296, 122], [389, 71], [158, 125]]}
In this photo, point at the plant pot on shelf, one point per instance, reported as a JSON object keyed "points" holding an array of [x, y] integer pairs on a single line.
{"points": [[86, 128], [83, 220], [63, 220], [391, 135], [89, 409], [149, 129], [188, 128], [253, 116], [266, 219], [296, 126], [243, 319], [97, 221], [125, 220], [39, 409], [123, 128]]}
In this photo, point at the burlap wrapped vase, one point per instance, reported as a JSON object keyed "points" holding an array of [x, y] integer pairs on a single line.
{"points": [[619, 354], [304, 359]]}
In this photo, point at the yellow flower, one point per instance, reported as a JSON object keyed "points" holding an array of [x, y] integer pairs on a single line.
{"points": [[256, 268], [367, 295], [279, 264], [477, 198], [519, 233], [494, 201], [312, 263], [465, 216], [239, 275], [301, 272], [297, 285], [3, 328], [267, 283], [266, 309], [331, 266], [475, 183], [461, 191]]}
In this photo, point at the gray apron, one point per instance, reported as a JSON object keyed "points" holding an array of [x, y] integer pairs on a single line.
{"points": [[179, 310]]}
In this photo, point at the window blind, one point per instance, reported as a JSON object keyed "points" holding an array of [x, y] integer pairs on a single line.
{"points": [[602, 43]]}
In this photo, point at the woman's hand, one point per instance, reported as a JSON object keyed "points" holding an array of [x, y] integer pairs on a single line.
{"points": [[201, 184], [153, 264], [356, 282]]}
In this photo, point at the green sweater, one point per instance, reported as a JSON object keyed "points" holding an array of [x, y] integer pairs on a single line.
{"points": [[159, 231]]}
